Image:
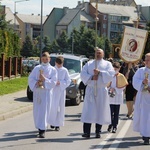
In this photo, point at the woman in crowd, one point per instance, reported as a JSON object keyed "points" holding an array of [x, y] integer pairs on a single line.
{"points": [[130, 93]]}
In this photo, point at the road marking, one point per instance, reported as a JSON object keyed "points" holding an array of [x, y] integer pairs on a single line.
{"points": [[120, 136]]}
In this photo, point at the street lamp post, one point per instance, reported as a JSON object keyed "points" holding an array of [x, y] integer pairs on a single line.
{"points": [[41, 32], [15, 2]]}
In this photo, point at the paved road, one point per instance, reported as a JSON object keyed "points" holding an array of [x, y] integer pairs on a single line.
{"points": [[14, 104], [19, 133]]}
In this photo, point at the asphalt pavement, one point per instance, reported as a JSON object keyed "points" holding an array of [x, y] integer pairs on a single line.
{"points": [[14, 104]]}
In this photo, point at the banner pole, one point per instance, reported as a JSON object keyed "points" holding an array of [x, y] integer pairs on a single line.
{"points": [[96, 20]]}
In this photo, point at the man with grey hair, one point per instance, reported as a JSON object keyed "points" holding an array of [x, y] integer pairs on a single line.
{"points": [[96, 74], [141, 82]]}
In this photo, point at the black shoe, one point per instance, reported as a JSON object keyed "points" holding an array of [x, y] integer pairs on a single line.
{"points": [[109, 128], [146, 140], [57, 128], [41, 134], [52, 127], [98, 135], [85, 135], [114, 130]]}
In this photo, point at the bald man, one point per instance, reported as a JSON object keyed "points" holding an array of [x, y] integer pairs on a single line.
{"points": [[96, 74], [141, 120]]}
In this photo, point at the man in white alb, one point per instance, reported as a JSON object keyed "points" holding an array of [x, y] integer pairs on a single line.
{"points": [[96, 74]]}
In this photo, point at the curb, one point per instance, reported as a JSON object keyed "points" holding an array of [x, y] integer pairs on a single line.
{"points": [[14, 113]]}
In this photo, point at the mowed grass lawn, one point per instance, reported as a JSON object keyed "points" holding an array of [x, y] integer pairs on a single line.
{"points": [[13, 85]]}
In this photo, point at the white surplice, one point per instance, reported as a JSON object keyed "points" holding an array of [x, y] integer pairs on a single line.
{"points": [[118, 98], [141, 118], [57, 110], [42, 96], [96, 109]]}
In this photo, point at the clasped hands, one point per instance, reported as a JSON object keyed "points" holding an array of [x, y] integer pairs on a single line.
{"points": [[112, 90], [58, 83], [96, 73], [41, 80], [145, 82]]}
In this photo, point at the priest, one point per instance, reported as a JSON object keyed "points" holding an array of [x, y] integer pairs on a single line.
{"points": [[41, 81], [57, 110], [141, 82], [96, 74]]}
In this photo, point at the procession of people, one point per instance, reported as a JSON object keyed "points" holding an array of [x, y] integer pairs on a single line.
{"points": [[107, 84]]}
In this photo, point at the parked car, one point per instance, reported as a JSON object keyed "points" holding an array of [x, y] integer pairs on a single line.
{"points": [[30, 64], [74, 64]]}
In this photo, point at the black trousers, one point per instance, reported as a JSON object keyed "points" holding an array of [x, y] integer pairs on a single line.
{"points": [[87, 128], [114, 114]]}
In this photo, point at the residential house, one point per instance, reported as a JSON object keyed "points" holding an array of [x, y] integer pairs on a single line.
{"points": [[65, 19], [145, 10], [121, 2], [49, 26], [69, 21], [30, 25], [113, 18]]}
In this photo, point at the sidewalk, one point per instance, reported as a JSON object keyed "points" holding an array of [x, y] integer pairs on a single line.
{"points": [[14, 104]]}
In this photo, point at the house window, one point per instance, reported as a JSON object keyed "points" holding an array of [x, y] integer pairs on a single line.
{"points": [[104, 25], [105, 17]]}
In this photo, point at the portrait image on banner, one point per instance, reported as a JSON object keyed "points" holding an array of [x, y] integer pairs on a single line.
{"points": [[133, 44]]}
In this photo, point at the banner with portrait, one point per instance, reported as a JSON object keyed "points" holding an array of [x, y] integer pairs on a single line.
{"points": [[133, 44]]}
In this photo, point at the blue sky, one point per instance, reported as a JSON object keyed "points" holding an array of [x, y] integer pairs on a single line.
{"points": [[34, 6]]}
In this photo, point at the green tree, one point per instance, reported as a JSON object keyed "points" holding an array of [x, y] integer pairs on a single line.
{"points": [[9, 41], [81, 42], [74, 41], [3, 23], [108, 47], [36, 48], [27, 48], [54, 48], [84, 42], [147, 46], [148, 26], [47, 44], [63, 42]]}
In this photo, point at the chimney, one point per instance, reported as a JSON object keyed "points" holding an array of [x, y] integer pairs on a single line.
{"points": [[79, 2], [65, 10]]}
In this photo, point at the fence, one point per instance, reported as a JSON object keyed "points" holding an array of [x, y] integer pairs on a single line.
{"points": [[10, 68]]}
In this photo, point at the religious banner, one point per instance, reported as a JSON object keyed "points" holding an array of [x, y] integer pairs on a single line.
{"points": [[133, 44]]}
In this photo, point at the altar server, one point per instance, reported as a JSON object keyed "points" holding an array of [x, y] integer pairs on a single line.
{"points": [[41, 81], [141, 118], [57, 111]]}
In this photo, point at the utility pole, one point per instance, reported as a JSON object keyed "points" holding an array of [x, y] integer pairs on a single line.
{"points": [[41, 32], [15, 2]]}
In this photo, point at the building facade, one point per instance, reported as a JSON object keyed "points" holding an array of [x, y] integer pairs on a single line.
{"points": [[145, 10], [29, 25], [65, 19]]}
